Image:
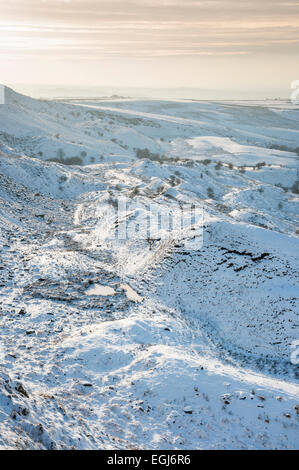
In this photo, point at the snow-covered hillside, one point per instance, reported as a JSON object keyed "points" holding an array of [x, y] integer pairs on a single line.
{"points": [[148, 342]]}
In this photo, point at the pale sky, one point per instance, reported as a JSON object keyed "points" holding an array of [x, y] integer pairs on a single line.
{"points": [[151, 43]]}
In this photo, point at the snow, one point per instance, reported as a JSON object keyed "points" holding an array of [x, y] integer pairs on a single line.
{"points": [[131, 294], [219, 147], [160, 342], [100, 290]]}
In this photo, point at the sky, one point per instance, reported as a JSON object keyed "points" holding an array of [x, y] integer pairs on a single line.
{"points": [[225, 44]]}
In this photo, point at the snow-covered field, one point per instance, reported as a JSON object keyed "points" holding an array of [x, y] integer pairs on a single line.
{"points": [[148, 343]]}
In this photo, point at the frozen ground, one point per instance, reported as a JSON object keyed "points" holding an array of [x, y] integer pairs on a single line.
{"points": [[149, 342]]}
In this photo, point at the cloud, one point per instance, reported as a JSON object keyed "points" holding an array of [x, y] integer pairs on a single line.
{"points": [[90, 30]]}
